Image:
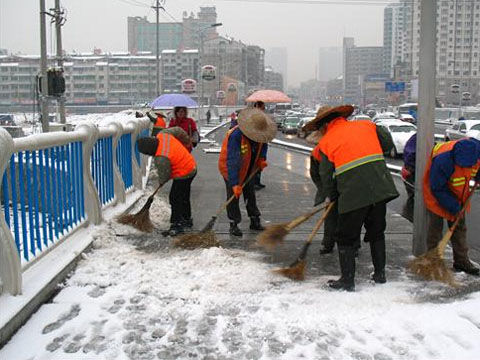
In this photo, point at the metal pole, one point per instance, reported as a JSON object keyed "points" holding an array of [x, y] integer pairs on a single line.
{"points": [[58, 28], [201, 76], [157, 9], [426, 107], [43, 67]]}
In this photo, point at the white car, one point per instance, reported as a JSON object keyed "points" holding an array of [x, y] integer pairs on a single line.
{"points": [[361, 117], [401, 131], [463, 128], [384, 116]]}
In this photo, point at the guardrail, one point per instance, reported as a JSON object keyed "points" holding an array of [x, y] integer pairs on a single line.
{"points": [[56, 183]]}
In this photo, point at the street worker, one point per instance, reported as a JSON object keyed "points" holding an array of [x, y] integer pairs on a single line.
{"points": [[354, 174], [258, 178], [158, 120], [188, 124], [173, 161], [244, 150], [446, 186], [330, 227]]}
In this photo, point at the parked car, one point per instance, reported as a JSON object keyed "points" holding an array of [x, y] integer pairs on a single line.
{"points": [[463, 128], [408, 118], [289, 125], [300, 132], [400, 131], [361, 117]]}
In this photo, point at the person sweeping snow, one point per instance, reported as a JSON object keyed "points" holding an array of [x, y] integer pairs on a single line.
{"points": [[244, 150]]}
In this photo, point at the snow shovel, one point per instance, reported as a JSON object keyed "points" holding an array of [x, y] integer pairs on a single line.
{"points": [[206, 237], [296, 271], [431, 265], [274, 234], [140, 220]]}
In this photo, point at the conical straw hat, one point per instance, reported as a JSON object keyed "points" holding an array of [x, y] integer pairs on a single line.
{"points": [[256, 125], [342, 110]]}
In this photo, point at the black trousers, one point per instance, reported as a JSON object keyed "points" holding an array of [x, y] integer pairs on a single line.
{"points": [[372, 217], [180, 200], [233, 209]]}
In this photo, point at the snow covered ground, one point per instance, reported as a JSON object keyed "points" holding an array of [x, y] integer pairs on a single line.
{"points": [[134, 297]]}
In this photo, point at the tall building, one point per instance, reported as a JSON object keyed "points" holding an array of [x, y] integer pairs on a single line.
{"points": [[393, 37], [273, 80], [255, 67], [277, 59], [329, 63], [358, 62], [458, 52], [172, 35]]}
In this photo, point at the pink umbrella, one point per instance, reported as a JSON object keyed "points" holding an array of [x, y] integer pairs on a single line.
{"points": [[268, 96]]}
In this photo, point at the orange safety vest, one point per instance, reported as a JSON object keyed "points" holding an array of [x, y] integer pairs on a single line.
{"points": [[160, 122], [349, 144], [458, 183], [245, 153], [181, 161], [316, 153]]}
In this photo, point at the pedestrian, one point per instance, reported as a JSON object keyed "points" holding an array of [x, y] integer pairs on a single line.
{"points": [[173, 161], [188, 124], [354, 174], [258, 178], [158, 120], [446, 185], [244, 150], [233, 119], [208, 115], [408, 169]]}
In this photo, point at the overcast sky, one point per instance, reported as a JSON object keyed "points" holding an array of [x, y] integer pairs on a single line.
{"points": [[302, 28]]}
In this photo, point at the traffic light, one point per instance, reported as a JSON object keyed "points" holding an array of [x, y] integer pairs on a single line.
{"points": [[56, 82]]}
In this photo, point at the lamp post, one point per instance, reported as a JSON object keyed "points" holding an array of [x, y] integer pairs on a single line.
{"points": [[201, 33]]}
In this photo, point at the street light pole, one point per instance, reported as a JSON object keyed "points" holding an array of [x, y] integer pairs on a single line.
{"points": [[58, 28], [43, 68], [425, 136], [157, 8]]}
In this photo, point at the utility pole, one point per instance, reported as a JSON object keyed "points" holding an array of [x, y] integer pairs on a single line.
{"points": [[43, 68], [58, 28], [426, 115], [157, 8]]}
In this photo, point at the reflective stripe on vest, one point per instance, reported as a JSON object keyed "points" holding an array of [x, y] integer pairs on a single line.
{"points": [[355, 163], [181, 161]]}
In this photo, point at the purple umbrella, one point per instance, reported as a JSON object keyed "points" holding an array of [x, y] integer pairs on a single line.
{"points": [[172, 100]]}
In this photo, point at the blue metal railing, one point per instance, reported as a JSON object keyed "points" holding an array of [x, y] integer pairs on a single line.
{"points": [[43, 197], [101, 167], [124, 159]]}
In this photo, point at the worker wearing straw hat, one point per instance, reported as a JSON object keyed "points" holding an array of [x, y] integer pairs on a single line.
{"points": [[173, 161], [244, 150], [446, 186], [354, 174]]}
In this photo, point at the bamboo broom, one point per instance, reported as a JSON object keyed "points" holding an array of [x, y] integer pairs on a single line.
{"points": [[431, 265], [296, 271]]}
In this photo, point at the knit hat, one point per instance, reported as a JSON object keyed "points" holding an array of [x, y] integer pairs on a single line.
{"points": [[326, 114], [256, 125]]}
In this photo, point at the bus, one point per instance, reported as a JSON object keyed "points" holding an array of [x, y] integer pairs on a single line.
{"points": [[408, 108]]}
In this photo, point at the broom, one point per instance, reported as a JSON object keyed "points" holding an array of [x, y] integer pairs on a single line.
{"points": [[140, 220], [296, 271], [274, 234], [206, 238], [431, 265]]}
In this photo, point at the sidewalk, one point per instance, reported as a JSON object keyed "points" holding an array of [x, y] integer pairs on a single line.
{"points": [[136, 297]]}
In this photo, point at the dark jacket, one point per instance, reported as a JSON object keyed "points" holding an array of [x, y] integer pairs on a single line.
{"points": [[363, 185], [234, 158], [317, 180], [410, 152]]}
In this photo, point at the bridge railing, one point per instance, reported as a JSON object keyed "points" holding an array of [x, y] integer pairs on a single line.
{"points": [[55, 183]]}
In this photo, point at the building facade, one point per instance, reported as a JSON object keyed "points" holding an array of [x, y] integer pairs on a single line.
{"points": [[394, 45], [273, 80], [329, 63], [116, 78], [359, 62], [176, 66], [277, 59]]}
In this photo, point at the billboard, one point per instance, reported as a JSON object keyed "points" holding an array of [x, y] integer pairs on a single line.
{"points": [[209, 72], [189, 86]]}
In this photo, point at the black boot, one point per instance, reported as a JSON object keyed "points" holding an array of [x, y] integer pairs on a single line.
{"points": [[377, 250], [347, 266], [255, 223], [328, 243], [187, 223], [174, 230], [234, 230]]}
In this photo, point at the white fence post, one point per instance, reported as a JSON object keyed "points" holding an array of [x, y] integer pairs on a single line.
{"points": [[118, 184], [10, 264], [93, 205], [136, 171]]}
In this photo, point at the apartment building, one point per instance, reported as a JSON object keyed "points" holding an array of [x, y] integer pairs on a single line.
{"points": [[178, 65], [273, 80]]}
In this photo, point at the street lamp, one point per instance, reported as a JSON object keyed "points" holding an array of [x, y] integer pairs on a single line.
{"points": [[201, 33]]}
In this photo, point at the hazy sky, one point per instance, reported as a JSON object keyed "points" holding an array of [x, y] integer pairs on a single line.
{"points": [[302, 28]]}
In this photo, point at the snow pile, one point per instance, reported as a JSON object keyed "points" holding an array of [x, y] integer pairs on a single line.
{"points": [[134, 297]]}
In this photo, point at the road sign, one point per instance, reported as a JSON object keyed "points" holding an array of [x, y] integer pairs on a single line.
{"points": [[394, 86]]}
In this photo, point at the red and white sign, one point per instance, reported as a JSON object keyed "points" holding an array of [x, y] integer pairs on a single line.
{"points": [[189, 86]]}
